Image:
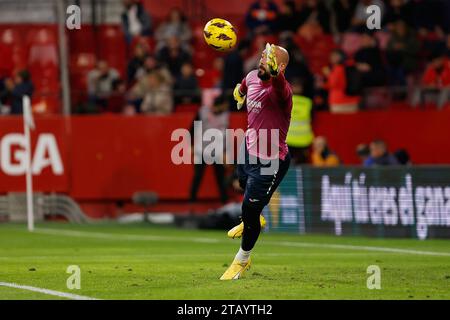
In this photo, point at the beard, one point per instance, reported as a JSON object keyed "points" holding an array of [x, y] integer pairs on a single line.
{"points": [[263, 74]]}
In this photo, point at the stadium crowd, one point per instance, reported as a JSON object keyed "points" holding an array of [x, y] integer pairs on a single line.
{"points": [[336, 62], [407, 58]]}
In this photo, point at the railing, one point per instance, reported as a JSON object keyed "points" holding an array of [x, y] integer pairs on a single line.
{"points": [[13, 207], [414, 96]]}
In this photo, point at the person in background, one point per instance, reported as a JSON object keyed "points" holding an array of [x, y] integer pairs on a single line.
{"points": [[300, 135], [363, 152], [15, 89], [136, 62], [398, 10], [368, 61], [402, 156], [217, 117], [252, 60], [262, 17], [379, 155], [152, 65], [175, 26], [401, 53], [436, 74], [216, 73], [435, 81], [336, 83], [447, 46], [287, 20], [234, 66], [186, 87], [117, 101], [313, 18], [152, 95], [100, 84], [3, 109], [137, 91], [158, 100], [322, 156], [135, 20], [430, 17], [343, 13], [298, 67], [173, 56]]}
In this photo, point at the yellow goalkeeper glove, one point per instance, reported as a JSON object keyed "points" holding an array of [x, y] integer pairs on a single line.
{"points": [[240, 99], [271, 60]]}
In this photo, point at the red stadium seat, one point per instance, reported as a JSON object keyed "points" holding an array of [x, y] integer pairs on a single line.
{"points": [[82, 41], [12, 51], [197, 32], [80, 65], [82, 62], [203, 56], [316, 51], [42, 46], [43, 60], [187, 108], [45, 104], [208, 78], [112, 47]]}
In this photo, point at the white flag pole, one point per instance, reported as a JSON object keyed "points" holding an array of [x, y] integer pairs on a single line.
{"points": [[28, 124]]}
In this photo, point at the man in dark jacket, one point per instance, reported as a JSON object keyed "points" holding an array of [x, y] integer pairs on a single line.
{"points": [[16, 89], [186, 86], [369, 62], [234, 66], [379, 155], [173, 56]]}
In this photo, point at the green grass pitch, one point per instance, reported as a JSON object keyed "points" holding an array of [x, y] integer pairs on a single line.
{"points": [[141, 261]]}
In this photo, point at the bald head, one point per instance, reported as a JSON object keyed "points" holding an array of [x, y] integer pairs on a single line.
{"points": [[282, 57]]}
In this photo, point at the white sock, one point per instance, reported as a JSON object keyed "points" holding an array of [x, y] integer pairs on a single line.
{"points": [[242, 255]]}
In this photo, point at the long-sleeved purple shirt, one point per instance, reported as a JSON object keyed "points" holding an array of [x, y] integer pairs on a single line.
{"points": [[269, 106]]}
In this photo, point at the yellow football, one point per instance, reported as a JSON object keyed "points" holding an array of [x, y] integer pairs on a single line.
{"points": [[220, 34]]}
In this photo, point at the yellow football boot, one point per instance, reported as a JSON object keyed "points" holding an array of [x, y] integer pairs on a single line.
{"points": [[236, 270], [236, 232]]}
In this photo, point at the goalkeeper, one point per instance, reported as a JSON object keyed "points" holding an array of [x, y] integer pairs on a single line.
{"points": [[268, 98]]}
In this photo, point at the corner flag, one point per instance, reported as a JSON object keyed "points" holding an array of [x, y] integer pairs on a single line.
{"points": [[28, 123]]}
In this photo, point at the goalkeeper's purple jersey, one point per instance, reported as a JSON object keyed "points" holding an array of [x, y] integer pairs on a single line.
{"points": [[269, 106]]}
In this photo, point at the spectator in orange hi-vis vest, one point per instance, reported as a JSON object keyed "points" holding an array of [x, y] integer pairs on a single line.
{"points": [[322, 156]]}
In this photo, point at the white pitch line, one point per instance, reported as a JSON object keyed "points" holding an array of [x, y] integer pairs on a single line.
{"points": [[133, 237], [364, 248], [101, 235], [47, 291]]}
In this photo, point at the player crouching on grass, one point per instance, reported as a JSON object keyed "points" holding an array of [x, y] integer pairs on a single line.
{"points": [[268, 97]]}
